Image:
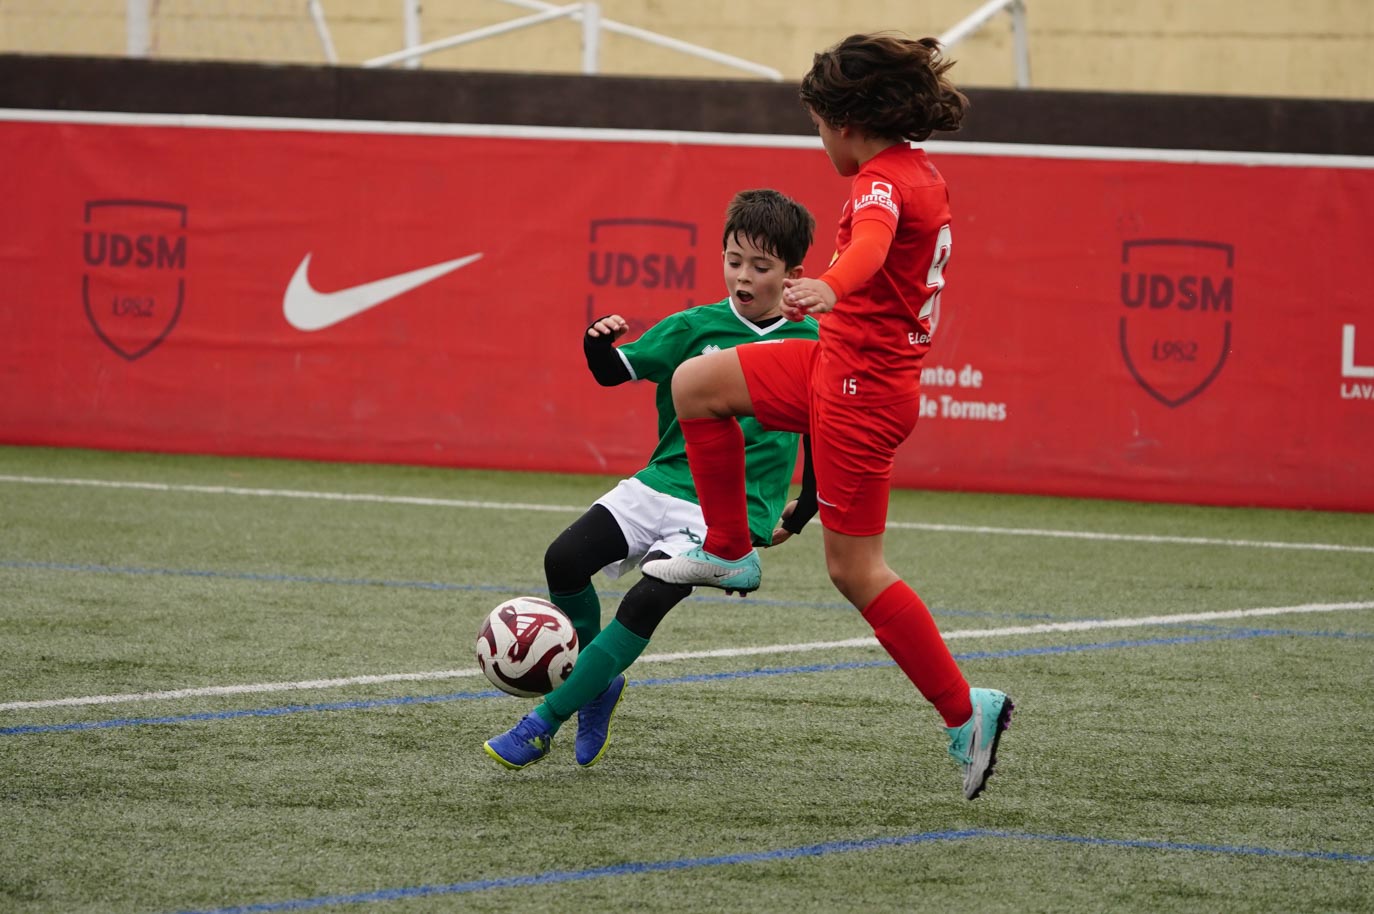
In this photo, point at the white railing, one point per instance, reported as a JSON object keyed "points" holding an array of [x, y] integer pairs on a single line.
{"points": [[138, 30], [322, 30], [138, 41], [979, 17], [589, 14], [590, 35]]}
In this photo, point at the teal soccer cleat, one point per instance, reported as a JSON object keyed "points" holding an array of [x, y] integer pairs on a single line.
{"points": [[594, 723], [697, 566], [974, 745], [522, 745]]}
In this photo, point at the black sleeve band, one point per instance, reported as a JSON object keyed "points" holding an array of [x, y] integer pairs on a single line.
{"points": [[605, 363], [806, 499]]}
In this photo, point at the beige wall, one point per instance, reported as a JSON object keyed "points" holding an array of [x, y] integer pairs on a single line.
{"points": [[1317, 48]]}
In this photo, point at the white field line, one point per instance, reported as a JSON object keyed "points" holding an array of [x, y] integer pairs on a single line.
{"points": [[290, 493], [571, 509], [1082, 625], [1128, 537]]}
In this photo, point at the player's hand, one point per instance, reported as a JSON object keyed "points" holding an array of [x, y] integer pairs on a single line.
{"points": [[612, 325], [782, 535], [805, 296]]}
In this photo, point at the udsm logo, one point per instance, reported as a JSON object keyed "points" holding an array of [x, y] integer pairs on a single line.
{"points": [[644, 269], [134, 282], [1175, 333]]}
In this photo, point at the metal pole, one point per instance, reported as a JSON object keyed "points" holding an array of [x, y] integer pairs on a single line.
{"points": [[322, 30], [137, 32], [973, 22], [591, 37], [1020, 34], [412, 20]]}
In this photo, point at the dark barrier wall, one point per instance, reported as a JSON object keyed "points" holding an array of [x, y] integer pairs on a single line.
{"points": [[729, 106]]}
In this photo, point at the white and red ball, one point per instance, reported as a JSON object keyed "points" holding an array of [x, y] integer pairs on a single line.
{"points": [[527, 647]]}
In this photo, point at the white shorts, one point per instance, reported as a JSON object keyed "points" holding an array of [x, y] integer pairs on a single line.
{"points": [[651, 521]]}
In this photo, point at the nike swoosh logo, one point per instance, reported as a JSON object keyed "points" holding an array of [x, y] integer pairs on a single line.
{"points": [[715, 571], [308, 309]]}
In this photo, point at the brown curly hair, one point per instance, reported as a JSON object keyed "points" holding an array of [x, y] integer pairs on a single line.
{"points": [[886, 86]]}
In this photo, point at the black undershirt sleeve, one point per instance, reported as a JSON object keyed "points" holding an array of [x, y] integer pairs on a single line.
{"points": [[806, 499], [605, 363]]}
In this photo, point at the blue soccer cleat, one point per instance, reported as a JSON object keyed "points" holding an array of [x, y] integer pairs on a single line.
{"points": [[522, 745], [594, 723], [697, 566], [974, 745]]}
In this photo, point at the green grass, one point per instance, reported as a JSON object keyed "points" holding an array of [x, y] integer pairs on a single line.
{"points": [[1137, 769]]}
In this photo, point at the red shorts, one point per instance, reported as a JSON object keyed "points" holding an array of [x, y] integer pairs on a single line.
{"points": [[852, 447]]}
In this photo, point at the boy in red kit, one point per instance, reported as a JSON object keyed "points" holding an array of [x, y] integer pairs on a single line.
{"points": [[857, 389]]}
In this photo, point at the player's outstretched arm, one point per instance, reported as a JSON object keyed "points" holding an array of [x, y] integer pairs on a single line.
{"points": [[598, 344], [863, 258]]}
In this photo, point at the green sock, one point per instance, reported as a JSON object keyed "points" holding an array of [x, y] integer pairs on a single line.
{"points": [[607, 656], [583, 609]]}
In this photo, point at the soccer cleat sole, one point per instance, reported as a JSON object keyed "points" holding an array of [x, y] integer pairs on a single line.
{"points": [[729, 591], [1003, 723], [511, 766], [692, 579]]}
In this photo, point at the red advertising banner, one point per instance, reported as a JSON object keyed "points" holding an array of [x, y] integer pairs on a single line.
{"points": [[1117, 327]]}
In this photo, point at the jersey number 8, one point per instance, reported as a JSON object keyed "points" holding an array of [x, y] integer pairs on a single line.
{"points": [[935, 276]]}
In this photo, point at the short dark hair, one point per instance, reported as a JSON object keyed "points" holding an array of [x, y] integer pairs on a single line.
{"points": [[886, 86], [773, 222]]}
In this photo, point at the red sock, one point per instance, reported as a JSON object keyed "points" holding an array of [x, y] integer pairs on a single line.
{"points": [[908, 634], [715, 449]]}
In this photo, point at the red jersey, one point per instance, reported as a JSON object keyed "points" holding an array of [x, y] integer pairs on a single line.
{"points": [[873, 342]]}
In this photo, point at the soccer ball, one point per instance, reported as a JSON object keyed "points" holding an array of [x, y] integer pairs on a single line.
{"points": [[526, 647]]}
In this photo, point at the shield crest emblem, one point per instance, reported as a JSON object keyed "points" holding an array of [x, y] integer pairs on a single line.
{"points": [[644, 269], [134, 283], [1177, 295]]}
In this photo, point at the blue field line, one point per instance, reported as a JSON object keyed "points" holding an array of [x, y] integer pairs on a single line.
{"points": [[1306, 633], [556, 877], [758, 673], [1241, 850], [516, 590]]}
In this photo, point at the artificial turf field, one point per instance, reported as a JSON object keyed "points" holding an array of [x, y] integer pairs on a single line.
{"points": [[248, 685]]}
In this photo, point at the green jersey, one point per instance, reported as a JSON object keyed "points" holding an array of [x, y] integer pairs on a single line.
{"points": [[770, 457]]}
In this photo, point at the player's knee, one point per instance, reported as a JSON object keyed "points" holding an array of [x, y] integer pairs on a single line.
{"points": [[844, 582], [691, 393], [644, 607], [859, 583], [563, 570], [702, 387]]}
